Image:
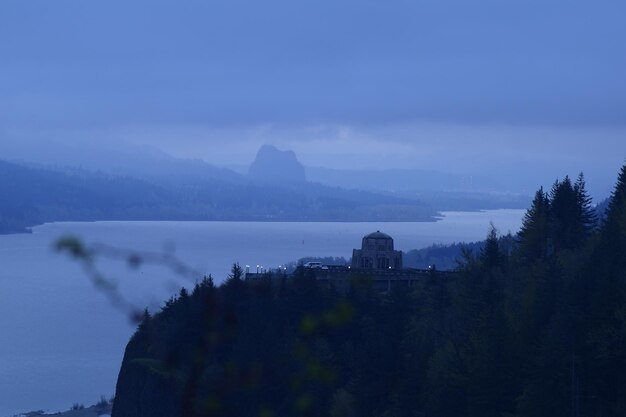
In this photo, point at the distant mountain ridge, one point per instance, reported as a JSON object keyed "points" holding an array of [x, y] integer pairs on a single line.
{"points": [[140, 162], [446, 192], [135, 183], [271, 167], [33, 195], [402, 180]]}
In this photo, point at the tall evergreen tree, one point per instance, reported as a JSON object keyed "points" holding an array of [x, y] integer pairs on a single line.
{"points": [[491, 256], [605, 316], [567, 229], [533, 235], [587, 214], [616, 212]]}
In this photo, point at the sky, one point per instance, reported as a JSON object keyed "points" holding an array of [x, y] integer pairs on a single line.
{"points": [[500, 87]]}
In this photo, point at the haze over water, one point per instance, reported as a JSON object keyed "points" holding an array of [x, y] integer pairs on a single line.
{"points": [[63, 342]]}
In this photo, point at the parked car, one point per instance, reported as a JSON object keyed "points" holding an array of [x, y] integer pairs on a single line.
{"points": [[314, 265]]}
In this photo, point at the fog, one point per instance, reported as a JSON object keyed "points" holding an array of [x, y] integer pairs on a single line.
{"points": [[520, 158]]}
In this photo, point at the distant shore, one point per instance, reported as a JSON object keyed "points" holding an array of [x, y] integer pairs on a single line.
{"points": [[92, 411], [24, 231], [428, 219]]}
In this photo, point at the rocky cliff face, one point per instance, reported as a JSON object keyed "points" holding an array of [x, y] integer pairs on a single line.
{"points": [[145, 387], [274, 166]]}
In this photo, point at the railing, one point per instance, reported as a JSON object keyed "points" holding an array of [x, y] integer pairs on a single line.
{"points": [[339, 273]]}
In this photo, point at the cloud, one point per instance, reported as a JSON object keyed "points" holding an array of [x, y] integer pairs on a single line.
{"points": [[453, 148], [331, 62], [532, 87]]}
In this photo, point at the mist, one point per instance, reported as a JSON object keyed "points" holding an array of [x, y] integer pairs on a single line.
{"points": [[531, 91], [522, 158]]}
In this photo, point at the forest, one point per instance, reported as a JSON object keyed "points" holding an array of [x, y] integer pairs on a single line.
{"points": [[33, 195], [534, 328]]}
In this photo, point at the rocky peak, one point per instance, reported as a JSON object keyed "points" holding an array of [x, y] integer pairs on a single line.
{"points": [[272, 165]]}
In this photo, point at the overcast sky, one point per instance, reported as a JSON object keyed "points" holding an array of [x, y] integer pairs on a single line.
{"points": [[481, 86]]}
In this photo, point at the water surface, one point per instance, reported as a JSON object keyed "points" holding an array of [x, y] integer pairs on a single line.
{"points": [[62, 342]]}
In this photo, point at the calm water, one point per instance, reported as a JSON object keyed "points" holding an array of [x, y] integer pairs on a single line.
{"points": [[60, 340]]}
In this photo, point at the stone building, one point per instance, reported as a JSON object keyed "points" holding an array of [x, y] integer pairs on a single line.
{"points": [[376, 264], [377, 253]]}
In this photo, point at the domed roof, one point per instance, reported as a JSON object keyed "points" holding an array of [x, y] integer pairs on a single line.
{"points": [[377, 235]]}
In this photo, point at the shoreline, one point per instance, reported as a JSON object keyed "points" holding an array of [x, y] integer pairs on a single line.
{"points": [[431, 219], [91, 411], [439, 216]]}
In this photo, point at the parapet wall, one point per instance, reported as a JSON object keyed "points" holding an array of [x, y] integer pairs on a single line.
{"points": [[384, 280]]}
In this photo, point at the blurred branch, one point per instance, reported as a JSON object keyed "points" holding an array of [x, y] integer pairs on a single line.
{"points": [[87, 256]]}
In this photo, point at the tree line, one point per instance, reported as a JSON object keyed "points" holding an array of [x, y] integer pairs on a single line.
{"points": [[535, 326], [31, 196]]}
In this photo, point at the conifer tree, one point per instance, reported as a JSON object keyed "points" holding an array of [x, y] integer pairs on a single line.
{"points": [[146, 319], [491, 255], [236, 272], [605, 311], [587, 214], [533, 235], [611, 253], [567, 230], [616, 212]]}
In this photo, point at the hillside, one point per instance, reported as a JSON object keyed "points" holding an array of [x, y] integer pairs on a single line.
{"points": [[527, 328], [33, 195], [446, 192]]}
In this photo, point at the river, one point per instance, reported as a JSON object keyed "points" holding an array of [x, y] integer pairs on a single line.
{"points": [[61, 340]]}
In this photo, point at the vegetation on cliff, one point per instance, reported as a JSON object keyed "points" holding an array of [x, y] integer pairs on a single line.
{"points": [[531, 329]]}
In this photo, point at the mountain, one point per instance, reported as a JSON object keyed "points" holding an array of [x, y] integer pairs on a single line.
{"points": [[140, 162], [33, 195], [446, 192], [402, 180], [30, 196], [273, 166]]}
